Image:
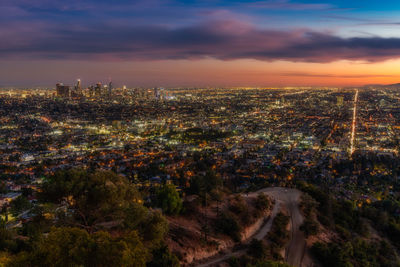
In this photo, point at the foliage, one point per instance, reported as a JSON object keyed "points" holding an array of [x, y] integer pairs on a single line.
{"points": [[19, 204], [278, 234], [163, 257], [7, 243], [238, 206], [253, 262], [339, 215], [5, 259], [308, 205], [228, 224], [262, 202], [76, 247], [257, 249], [358, 252], [94, 197], [90, 218], [3, 187], [168, 199], [200, 185], [153, 229], [384, 217], [309, 227], [268, 264]]}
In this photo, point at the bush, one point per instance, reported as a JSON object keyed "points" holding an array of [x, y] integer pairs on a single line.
{"points": [[358, 252], [308, 205], [309, 227], [239, 207], [278, 234], [257, 249], [262, 202], [163, 257], [168, 199], [76, 247], [228, 224], [19, 205], [268, 264]]}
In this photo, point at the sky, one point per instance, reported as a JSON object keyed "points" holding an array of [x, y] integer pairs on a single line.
{"points": [[191, 43]]}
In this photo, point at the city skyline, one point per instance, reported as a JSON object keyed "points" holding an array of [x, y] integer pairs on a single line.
{"points": [[200, 43]]}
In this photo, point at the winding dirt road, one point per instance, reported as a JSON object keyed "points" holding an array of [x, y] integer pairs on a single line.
{"points": [[295, 250]]}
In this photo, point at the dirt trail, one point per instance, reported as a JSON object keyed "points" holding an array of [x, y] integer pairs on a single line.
{"points": [[295, 250]]}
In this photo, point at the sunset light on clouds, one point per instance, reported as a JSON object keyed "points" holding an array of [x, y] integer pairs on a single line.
{"points": [[200, 43]]}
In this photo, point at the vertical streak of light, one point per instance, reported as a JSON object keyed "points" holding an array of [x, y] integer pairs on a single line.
{"points": [[353, 126]]}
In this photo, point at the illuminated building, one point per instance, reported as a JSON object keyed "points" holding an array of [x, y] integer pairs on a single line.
{"points": [[110, 87], [78, 87], [97, 89], [339, 101], [62, 90]]}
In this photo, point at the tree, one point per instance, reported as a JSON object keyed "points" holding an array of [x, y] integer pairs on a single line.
{"points": [[94, 197], [19, 204], [124, 251], [168, 199], [205, 184], [102, 200], [278, 235], [163, 257], [5, 259], [76, 247], [268, 264], [262, 202], [228, 224], [257, 249], [62, 247], [309, 227], [7, 242], [3, 187], [153, 229]]}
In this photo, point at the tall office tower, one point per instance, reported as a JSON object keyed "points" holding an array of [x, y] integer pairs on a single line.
{"points": [[156, 93], [58, 89], [78, 87], [104, 91], [339, 101], [161, 93], [97, 89], [91, 91], [110, 87], [62, 90]]}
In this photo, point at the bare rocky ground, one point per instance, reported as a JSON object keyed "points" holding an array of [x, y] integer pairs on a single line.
{"points": [[296, 253], [187, 240]]}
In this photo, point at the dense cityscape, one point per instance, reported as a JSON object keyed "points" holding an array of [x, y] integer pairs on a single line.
{"points": [[199, 133], [336, 144]]}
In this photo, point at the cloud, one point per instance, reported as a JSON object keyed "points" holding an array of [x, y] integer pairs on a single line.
{"points": [[289, 5], [225, 40], [364, 21]]}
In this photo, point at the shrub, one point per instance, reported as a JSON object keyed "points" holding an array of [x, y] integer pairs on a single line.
{"points": [[309, 227], [168, 199], [228, 224], [262, 202]]}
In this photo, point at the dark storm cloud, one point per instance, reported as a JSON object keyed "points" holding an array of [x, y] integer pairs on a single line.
{"points": [[173, 29], [225, 40]]}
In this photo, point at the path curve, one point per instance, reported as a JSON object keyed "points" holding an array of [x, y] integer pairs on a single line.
{"points": [[290, 198]]}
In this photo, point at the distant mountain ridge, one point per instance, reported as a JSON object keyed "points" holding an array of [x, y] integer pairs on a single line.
{"points": [[394, 85]]}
